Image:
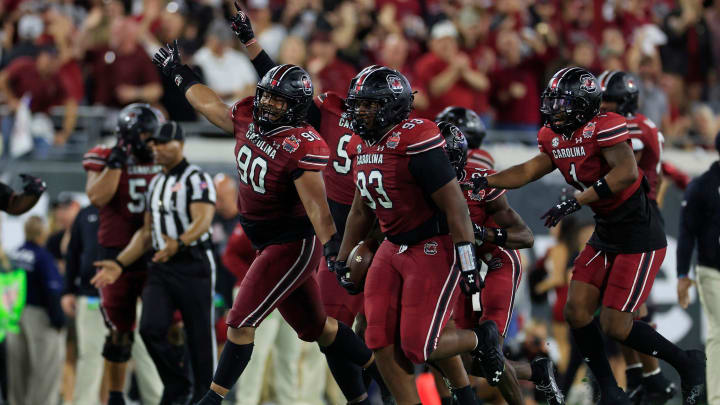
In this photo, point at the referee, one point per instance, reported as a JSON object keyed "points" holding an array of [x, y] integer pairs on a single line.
{"points": [[181, 275]]}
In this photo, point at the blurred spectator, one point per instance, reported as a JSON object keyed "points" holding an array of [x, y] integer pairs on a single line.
{"points": [[329, 72], [515, 84], [583, 55], [474, 27], [269, 35], [122, 71], [653, 99], [36, 354], [41, 83], [703, 126], [29, 29], [447, 74], [65, 209], [80, 301], [227, 71], [394, 54], [293, 51], [223, 224]]}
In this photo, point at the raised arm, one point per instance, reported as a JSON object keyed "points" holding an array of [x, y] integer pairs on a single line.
{"points": [[202, 98]]}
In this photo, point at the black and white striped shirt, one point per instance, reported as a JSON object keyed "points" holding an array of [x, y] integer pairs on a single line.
{"points": [[169, 198]]}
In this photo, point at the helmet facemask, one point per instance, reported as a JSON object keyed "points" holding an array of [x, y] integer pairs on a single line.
{"points": [[269, 113], [367, 117], [563, 113]]}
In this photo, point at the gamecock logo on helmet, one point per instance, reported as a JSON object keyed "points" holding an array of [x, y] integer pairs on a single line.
{"points": [[395, 84], [307, 86], [587, 83]]}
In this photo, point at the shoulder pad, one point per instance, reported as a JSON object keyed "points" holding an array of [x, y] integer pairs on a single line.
{"points": [[306, 147], [330, 102], [241, 111], [414, 136], [609, 129], [94, 159]]}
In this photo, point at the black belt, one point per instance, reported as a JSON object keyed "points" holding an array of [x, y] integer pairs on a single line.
{"points": [[436, 225]]}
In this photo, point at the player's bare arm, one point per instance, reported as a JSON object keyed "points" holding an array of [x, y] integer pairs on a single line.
{"points": [[311, 189], [100, 187], [450, 200], [110, 270], [202, 214], [202, 98], [522, 174], [518, 234], [359, 222], [622, 175]]}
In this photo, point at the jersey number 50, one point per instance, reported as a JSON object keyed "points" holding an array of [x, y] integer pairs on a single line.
{"points": [[373, 179]]}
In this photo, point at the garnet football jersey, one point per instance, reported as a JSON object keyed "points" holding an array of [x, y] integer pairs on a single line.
{"points": [[645, 137], [481, 157], [383, 177], [268, 202], [125, 213], [335, 130], [477, 202], [580, 158]]}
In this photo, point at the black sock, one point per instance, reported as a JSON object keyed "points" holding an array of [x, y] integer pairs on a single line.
{"points": [[233, 360], [373, 372], [211, 398], [446, 401], [633, 375], [116, 398], [590, 343], [465, 395], [644, 339], [345, 357]]}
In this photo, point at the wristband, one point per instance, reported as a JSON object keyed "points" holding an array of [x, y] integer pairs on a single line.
{"points": [[466, 256], [250, 42], [184, 77], [602, 189], [500, 236], [122, 266]]}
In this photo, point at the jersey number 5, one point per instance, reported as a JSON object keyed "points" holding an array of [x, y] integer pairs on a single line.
{"points": [[257, 168], [136, 189], [343, 168], [375, 180]]}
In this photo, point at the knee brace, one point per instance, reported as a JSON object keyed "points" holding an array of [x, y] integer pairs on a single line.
{"points": [[118, 346]]}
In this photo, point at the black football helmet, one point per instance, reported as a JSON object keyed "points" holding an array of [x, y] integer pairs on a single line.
{"points": [[570, 100], [389, 90], [134, 120], [467, 121], [456, 146], [290, 82], [621, 88]]}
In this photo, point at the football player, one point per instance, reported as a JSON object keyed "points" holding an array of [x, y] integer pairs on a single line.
{"points": [[617, 268], [117, 179], [472, 127], [282, 207], [327, 115], [620, 95], [404, 179], [499, 232]]}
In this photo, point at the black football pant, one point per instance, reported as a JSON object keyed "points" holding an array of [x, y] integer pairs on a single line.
{"points": [[185, 283]]}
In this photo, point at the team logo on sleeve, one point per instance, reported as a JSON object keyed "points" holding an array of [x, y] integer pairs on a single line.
{"points": [[307, 85], [291, 144], [178, 80], [555, 142], [589, 129], [394, 83], [431, 248], [393, 140]]}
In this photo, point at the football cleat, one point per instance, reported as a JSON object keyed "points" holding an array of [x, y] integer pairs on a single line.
{"points": [[488, 352], [615, 396], [658, 389], [693, 379], [545, 381]]}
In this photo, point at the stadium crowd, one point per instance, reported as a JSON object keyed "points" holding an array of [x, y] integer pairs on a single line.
{"points": [[493, 57]]}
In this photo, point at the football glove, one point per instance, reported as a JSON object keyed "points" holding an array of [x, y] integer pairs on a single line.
{"points": [[168, 58], [479, 183], [480, 234], [240, 25], [118, 155], [560, 211], [471, 281], [33, 185]]}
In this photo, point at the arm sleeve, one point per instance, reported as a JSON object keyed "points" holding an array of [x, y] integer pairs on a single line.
{"points": [[431, 169], [5, 194], [690, 218], [263, 63], [73, 256], [201, 188]]}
